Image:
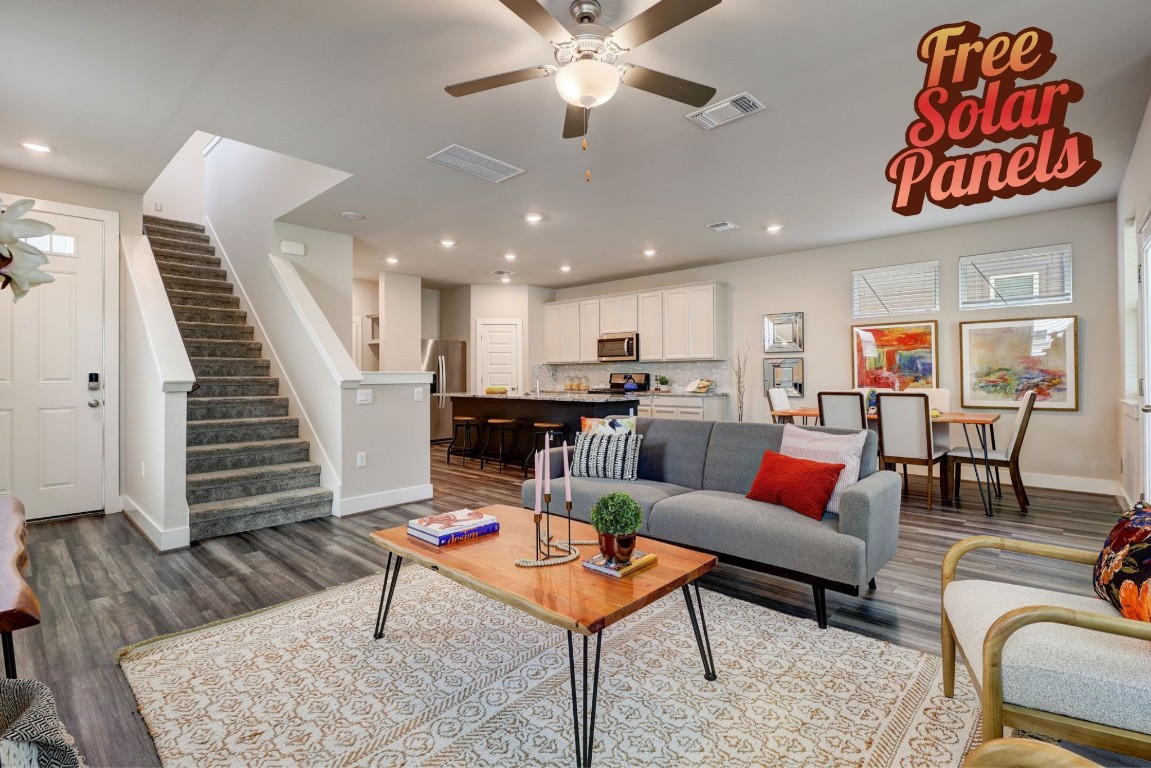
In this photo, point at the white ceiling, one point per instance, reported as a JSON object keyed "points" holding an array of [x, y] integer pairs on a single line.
{"points": [[118, 85]]}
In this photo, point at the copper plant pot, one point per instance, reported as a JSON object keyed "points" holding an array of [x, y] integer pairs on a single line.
{"points": [[617, 549]]}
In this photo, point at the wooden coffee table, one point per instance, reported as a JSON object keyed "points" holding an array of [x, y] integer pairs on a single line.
{"points": [[568, 596]]}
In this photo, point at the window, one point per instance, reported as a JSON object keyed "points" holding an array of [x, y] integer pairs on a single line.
{"points": [[59, 245], [899, 290], [1016, 278]]}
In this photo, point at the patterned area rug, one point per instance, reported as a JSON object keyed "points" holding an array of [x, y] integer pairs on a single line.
{"points": [[459, 679]]}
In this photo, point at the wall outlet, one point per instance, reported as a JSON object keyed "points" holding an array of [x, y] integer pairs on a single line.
{"points": [[418, 394], [361, 459], [363, 396], [159, 207]]}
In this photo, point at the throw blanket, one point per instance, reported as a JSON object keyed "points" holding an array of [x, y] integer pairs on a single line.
{"points": [[31, 734]]}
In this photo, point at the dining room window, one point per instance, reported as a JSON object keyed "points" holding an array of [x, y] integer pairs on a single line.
{"points": [[1024, 277], [896, 290]]}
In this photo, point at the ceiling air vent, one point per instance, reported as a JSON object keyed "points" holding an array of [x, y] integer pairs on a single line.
{"points": [[722, 226], [470, 161], [727, 110]]}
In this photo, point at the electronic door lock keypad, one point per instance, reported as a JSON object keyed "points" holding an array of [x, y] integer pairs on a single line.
{"points": [[93, 381]]}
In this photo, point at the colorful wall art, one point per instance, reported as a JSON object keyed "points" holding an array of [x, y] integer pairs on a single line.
{"points": [[1002, 359], [897, 356]]}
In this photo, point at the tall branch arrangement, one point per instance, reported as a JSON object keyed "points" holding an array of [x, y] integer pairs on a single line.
{"points": [[20, 262], [739, 369]]}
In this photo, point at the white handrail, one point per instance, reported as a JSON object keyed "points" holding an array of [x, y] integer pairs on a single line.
{"points": [[166, 344]]}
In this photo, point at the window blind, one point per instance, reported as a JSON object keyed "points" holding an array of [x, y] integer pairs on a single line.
{"points": [[898, 290], [1016, 278]]}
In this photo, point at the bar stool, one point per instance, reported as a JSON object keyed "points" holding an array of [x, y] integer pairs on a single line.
{"points": [[468, 448], [540, 429], [500, 429]]}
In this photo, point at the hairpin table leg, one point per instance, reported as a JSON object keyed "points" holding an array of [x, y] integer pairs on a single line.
{"points": [[386, 592], [701, 638]]}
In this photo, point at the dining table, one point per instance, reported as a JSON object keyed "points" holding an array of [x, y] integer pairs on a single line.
{"points": [[983, 423]]}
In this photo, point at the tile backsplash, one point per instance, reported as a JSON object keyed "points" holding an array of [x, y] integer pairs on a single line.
{"points": [[679, 373]]}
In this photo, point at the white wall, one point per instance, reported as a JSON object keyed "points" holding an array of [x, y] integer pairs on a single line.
{"points": [[400, 322], [365, 297], [1069, 450], [510, 302], [430, 314], [128, 205], [456, 314], [179, 189], [327, 270]]}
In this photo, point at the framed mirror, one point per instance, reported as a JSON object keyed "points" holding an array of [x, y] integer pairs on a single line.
{"points": [[785, 373], [783, 332]]}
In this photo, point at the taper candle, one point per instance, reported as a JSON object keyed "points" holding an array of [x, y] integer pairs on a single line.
{"points": [[547, 463], [567, 476], [539, 485]]}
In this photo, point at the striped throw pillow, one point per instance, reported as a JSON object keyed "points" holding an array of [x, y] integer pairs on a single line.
{"points": [[802, 443], [614, 457]]}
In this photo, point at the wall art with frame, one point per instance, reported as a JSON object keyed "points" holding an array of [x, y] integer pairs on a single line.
{"points": [[999, 360], [784, 373], [783, 333], [895, 355]]}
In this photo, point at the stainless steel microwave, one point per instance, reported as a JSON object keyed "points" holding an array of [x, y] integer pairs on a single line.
{"points": [[617, 347]]}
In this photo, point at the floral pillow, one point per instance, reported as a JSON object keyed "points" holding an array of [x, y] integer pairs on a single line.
{"points": [[1123, 571], [612, 425]]}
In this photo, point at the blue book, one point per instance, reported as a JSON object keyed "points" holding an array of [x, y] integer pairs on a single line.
{"points": [[447, 538]]}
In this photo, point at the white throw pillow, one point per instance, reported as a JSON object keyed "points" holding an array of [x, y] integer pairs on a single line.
{"points": [[831, 449]]}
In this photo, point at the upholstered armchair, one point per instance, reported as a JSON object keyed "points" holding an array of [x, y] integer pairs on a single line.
{"points": [[1063, 665]]}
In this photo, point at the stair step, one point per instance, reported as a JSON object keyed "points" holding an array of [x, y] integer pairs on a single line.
{"points": [[199, 299], [207, 331], [215, 431], [183, 257], [186, 246], [236, 386], [254, 453], [222, 348], [172, 283], [175, 233], [175, 269], [219, 315], [225, 366], [210, 408], [219, 518], [251, 481], [160, 221]]}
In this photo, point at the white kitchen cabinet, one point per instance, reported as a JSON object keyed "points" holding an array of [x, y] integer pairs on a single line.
{"points": [[693, 321], [588, 331], [618, 314], [649, 325], [676, 324], [561, 333], [712, 408]]}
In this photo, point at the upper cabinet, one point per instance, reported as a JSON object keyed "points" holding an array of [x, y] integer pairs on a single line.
{"points": [[682, 323]]}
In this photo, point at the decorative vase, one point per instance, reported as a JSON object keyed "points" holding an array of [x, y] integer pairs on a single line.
{"points": [[617, 549]]}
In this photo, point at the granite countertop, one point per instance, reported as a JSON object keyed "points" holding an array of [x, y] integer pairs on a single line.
{"points": [[643, 395], [552, 397]]}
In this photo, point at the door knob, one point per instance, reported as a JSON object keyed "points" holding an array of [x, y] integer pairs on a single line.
{"points": [[1146, 409], [93, 403]]}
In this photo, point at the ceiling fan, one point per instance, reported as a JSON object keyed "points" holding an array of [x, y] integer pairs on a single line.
{"points": [[586, 69]]}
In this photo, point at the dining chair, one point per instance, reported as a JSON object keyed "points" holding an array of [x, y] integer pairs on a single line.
{"points": [[777, 398], [906, 437], [1007, 457], [842, 409]]}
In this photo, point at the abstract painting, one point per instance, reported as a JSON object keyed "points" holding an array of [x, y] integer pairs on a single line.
{"points": [[896, 356], [999, 360]]}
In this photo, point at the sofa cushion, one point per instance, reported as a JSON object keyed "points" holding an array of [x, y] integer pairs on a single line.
{"points": [[729, 523], [606, 455], [830, 449], [609, 425], [1054, 667], [586, 492], [736, 448], [799, 484], [674, 451]]}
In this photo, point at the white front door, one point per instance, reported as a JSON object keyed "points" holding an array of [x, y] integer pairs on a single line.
{"points": [[498, 352], [51, 423]]}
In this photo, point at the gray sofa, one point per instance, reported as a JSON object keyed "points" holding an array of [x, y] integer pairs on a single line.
{"points": [[693, 478]]}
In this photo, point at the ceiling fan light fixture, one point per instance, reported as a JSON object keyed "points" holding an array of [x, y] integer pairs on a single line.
{"points": [[587, 83]]}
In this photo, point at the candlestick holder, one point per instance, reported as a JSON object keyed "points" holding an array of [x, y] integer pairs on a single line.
{"points": [[549, 552]]}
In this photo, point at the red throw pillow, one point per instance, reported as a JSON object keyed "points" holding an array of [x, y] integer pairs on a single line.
{"points": [[801, 485]]}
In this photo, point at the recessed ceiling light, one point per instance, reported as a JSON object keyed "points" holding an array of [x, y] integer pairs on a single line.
{"points": [[505, 275], [392, 260], [565, 268], [36, 146], [534, 218], [447, 243], [773, 228], [352, 215], [650, 252], [510, 256], [505, 279]]}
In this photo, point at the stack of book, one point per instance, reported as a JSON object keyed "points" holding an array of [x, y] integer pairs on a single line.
{"points": [[639, 561], [460, 525]]}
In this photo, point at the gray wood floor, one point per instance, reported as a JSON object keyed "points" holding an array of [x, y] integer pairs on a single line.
{"points": [[103, 587]]}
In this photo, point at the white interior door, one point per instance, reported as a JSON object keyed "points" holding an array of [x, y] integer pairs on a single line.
{"points": [[51, 423], [499, 354], [1145, 360]]}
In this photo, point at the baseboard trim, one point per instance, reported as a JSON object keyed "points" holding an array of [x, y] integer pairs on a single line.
{"points": [[1038, 480], [354, 505], [160, 539]]}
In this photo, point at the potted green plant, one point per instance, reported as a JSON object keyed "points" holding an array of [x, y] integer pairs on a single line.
{"points": [[616, 517], [662, 381]]}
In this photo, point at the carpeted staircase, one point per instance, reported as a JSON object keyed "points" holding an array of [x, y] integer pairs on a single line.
{"points": [[247, 466]]}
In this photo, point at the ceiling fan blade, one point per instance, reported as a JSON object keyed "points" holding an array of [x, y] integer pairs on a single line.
{"points": [[538, 19], [575, 122], [667, 86], [497, 81], [658, 19]]}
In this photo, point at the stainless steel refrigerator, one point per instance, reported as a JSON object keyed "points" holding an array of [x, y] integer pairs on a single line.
{"points": [[448, 363]]}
